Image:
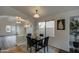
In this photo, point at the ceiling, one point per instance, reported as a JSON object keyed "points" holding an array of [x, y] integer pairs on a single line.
{"points": [[44, 11]]}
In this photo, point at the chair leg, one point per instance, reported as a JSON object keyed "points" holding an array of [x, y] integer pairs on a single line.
{"points": [[44, 49], [30, 49], [0, 50], [47, 48], [27, 47], [35, 49]]}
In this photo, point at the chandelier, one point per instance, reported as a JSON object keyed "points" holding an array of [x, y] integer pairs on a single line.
{"points": [[36, 15]]}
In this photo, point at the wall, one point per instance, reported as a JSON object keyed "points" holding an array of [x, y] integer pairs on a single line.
{"points": [[61, 39], [9, 11], [7, 39], [21, 34], [4, 21]]}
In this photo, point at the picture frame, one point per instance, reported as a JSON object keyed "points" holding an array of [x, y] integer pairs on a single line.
{"points": [[61, 24], [8, 28]]}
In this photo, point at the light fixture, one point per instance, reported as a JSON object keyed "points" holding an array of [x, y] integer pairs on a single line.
{"points": [[18, 20], [28, 25], [36, 15]]}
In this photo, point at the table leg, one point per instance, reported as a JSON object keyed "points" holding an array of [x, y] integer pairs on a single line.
{"points": [[36, 47]]}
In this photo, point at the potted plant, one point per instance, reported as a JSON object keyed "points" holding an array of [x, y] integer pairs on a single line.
{"points": [[74, 28]]}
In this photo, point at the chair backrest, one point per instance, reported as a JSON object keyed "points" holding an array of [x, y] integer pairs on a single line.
{"points": [[41, 35], [29, 34], [46, 41]]}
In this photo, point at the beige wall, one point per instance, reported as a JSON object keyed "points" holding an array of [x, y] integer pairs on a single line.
{"points": [[4, 21], [10, 39], [61, 39], [9, 11], [7, 39]]}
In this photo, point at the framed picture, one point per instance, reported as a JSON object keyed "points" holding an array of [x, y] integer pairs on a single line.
{"points": [[8, 28], [61, 24]]}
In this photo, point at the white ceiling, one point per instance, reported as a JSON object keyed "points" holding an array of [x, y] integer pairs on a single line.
{"points": [[44, 11]]}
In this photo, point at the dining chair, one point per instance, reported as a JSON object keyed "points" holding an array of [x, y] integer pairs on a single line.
{"points": [[41, 35], [43, 43], [30, 43], [29, 34]]}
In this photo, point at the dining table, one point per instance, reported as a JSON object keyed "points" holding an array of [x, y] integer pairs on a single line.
{"points": [[37, 40]]}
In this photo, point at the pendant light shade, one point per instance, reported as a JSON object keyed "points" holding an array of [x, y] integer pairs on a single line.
{"points": [[36, 15]]}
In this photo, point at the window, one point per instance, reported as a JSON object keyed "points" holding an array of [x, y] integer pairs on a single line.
{"points": [[50, 27], [41, 24], [13, 29], [47, 28], [29, 30], [41, 28]]}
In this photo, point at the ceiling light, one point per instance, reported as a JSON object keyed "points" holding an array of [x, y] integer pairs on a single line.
{"points": [[18, 22], [36, 15]]}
